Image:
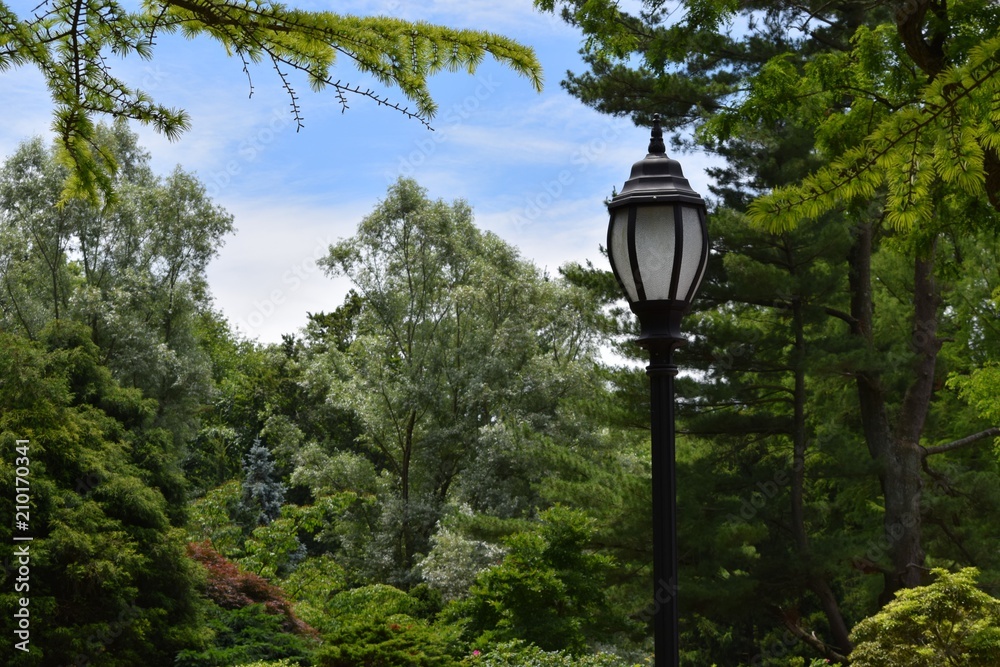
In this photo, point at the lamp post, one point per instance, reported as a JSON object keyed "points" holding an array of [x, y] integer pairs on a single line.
{"points": [[658, 246]]}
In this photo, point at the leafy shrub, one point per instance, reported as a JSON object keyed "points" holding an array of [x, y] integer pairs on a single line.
{"points": [[382, 626], [521, 654], [549, 590], [949, 622], [246, 635], [397, 641], [233, 588]]}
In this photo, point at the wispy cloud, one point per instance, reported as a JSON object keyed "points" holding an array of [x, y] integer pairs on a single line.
{"points": [[266, 278], [509, 16]]}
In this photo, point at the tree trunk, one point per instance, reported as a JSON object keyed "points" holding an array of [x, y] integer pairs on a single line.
{"points": [[895, 444], [406, 530], [817, 584], [903, 522]]}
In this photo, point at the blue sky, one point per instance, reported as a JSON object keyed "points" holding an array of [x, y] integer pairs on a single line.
{"points": [[535, 167]]}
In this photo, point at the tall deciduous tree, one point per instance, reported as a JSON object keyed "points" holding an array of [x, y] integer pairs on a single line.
{"points": [[69, 41], [135, 274], [459, 346]]}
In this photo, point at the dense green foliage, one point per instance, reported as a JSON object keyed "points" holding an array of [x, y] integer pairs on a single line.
{"points": [[900, 97], [440, 472], [108, 580], [520, 654], [841, 408], [547, 590]]}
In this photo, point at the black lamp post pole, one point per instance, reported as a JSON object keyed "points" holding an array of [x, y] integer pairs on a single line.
{"points": [[666, 633], [658, 247]]}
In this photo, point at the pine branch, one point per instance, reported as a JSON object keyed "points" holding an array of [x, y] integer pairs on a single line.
{"points": [[860, 171], [67, 40], [962, 442]]}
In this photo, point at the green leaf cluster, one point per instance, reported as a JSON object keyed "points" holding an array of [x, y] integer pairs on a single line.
{"points": [[908, 147], [549, 590], [520, 654], [948, 622]]}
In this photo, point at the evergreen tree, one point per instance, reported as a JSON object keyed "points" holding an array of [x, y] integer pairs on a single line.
{"points": [[828, 329], [109, 581], [263, 492]]}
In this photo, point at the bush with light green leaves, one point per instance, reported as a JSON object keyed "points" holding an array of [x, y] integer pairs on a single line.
{"points": [[521, 654], [949, 622]]}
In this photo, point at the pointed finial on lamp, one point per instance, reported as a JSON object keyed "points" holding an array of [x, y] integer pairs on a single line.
{"points": [[656, 146]]}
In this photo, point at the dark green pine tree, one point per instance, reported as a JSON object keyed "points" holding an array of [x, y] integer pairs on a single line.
{"points": [[823, 354], [753, 453], [107, 577]]}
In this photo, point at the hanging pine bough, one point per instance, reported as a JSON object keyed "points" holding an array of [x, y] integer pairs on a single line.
{"points": [[942, 136], [69, 40]]}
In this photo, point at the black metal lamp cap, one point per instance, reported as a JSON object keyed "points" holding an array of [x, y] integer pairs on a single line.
{"points": [[656, 178]]}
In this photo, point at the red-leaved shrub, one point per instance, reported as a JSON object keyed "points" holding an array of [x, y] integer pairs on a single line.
{"points": [[231, 587]]}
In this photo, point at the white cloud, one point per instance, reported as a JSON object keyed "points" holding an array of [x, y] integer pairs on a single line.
{"points": [[28, 109], [266, 278]]}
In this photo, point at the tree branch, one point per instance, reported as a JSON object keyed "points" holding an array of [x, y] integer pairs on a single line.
{"points": [[841, 315], [812, 640], [956, 444]]}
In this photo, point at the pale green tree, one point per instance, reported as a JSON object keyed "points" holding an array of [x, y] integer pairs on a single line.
{"points": [[134, 273], [456, 335]]}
